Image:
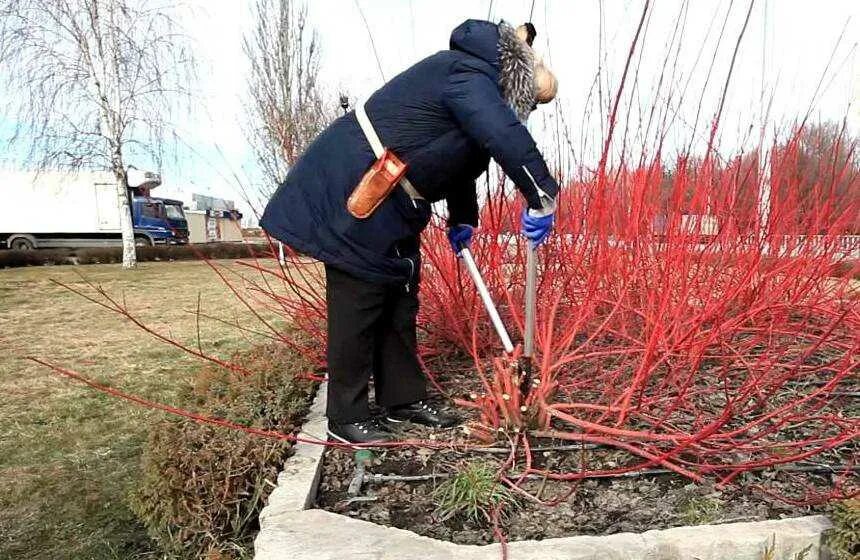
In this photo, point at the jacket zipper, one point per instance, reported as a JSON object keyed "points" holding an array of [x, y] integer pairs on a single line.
{"points": [[541, 193], [411, 268], [411, 273]]}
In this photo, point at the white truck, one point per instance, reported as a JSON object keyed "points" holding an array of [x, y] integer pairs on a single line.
{"points": [[52, 209]]}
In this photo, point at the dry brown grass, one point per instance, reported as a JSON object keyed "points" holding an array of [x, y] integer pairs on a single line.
{"points": [[68, 456]]}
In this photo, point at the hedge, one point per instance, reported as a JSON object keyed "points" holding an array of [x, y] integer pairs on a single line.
{"points": [[106, 255]]}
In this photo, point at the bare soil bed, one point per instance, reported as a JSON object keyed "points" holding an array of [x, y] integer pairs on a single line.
{"points": [[651, 500]]}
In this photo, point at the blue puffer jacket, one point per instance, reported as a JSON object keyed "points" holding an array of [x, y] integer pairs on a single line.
{"points": [[445, 117]]}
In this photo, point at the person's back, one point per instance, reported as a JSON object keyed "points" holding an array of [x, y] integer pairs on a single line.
{"points": [[444, 117]]}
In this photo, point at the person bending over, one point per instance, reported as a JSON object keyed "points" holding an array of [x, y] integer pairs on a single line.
{"points": [[347, 203]]}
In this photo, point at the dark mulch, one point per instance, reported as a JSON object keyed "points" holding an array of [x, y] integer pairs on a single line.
{"points": [[593, 507]]}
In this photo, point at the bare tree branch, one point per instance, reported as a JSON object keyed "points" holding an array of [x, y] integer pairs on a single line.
{"points": [[92, 83], [287, 108]]}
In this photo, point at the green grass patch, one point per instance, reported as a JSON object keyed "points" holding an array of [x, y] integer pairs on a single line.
{"points": [[69, 457], [473, 493], [700, 510], [843, 539]]}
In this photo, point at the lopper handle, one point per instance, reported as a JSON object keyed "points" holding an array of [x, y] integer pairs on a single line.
{"points": [[467, 257], [531, 300]]}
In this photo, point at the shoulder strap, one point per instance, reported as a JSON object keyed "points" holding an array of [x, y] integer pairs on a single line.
{"points": [[378, 148]]}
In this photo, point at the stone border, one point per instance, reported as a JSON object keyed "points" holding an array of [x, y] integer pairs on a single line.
{"points": [[297, 482], [289, 530]]}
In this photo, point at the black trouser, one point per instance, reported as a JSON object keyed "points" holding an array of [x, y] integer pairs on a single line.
{"points": [[371, 331]]}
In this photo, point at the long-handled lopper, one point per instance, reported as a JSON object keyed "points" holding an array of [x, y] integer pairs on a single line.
{"points": [[467, 257], [526, 361]]}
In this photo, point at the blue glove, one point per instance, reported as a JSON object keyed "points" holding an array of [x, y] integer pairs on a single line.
{"points": [[536, 228], [460, 237]]}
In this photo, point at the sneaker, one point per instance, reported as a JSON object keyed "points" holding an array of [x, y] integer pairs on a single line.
{"points": [[360, 433], [422, 413]]}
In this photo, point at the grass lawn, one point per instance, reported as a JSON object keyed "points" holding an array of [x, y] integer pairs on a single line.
{"points": [[68, 455]]}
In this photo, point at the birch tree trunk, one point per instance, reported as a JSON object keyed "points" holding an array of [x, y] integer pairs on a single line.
{"points": [[113, 77], [126, 224]]}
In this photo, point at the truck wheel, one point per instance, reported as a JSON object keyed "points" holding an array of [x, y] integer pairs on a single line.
{"points": [[142, 241], [22, 244]]}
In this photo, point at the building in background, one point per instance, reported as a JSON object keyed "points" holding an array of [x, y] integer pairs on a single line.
{"points": [[212, 219]]}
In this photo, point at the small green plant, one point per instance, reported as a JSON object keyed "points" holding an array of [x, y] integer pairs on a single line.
{"points": [[843, 540], [699, 510], [473, 493], [769, 552]]}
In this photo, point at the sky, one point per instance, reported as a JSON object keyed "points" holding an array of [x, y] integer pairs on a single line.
{"points": [[791, 61]]}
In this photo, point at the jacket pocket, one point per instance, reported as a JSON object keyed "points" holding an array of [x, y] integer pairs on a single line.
{"points": [[415, 213]]}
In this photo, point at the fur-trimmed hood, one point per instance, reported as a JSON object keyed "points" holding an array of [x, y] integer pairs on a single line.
{"points": [[516, 71], [499, 46]]}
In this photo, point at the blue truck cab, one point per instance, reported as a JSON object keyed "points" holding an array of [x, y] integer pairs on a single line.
{"points": [[159, 221]]}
